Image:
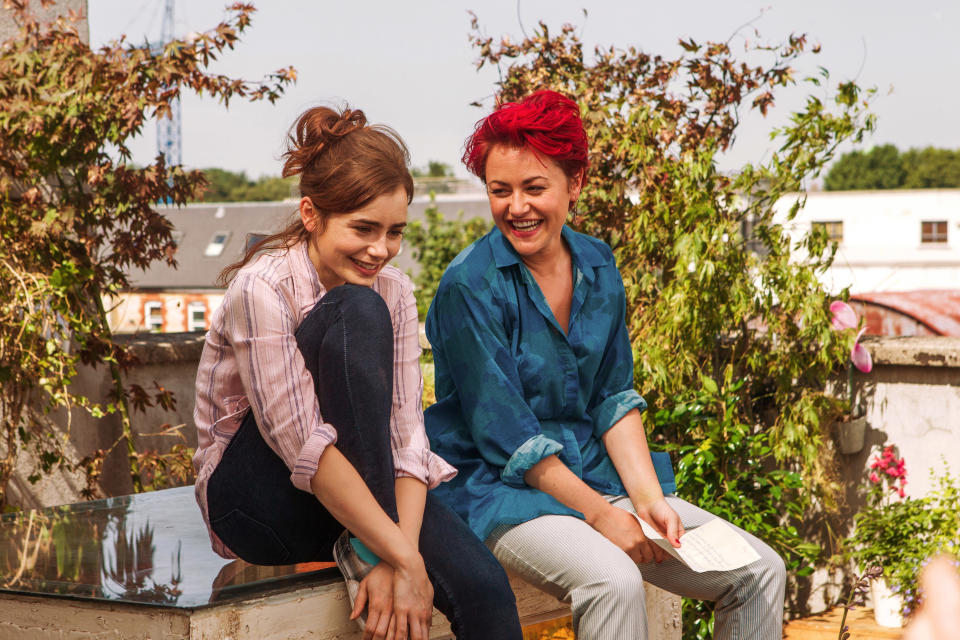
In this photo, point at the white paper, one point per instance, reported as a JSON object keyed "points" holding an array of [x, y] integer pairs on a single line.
{"points": [[714, 546]]}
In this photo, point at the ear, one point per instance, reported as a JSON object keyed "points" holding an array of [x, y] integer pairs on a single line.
{"points": [[574, 187], [308, 215]]}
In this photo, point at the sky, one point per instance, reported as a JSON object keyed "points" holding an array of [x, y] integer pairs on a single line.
{"points": [[409, 64]]}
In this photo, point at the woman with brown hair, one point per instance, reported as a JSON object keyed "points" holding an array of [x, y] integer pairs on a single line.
{"points": [[309, 401]]}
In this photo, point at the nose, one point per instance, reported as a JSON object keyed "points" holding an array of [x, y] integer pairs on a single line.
{"points": [[378, 249], [518, 203]]}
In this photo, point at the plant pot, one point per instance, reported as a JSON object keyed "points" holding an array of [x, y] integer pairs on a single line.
{"points": [[887, 605], [851, 435]]}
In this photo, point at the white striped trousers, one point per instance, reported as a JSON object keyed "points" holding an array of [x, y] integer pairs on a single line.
{"points": [[567, 558]]}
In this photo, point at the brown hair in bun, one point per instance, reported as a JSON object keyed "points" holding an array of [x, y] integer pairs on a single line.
{"points": [[343, 163]]}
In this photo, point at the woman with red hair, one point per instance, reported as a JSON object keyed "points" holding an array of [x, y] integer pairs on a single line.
{"points": [[536, 405]]}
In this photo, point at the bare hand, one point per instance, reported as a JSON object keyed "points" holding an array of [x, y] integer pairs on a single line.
{"points": [[622, 529], [412, 603], [376, 594], [661, 516], [939, 616]]}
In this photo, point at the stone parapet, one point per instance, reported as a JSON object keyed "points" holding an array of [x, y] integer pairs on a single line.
{"points": [[915, 351]]}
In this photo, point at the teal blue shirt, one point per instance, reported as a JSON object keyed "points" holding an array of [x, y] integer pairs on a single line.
{"points": [[513, 388]]}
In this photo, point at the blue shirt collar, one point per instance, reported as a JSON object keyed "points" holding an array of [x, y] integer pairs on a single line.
{"points": [[584, 253]]}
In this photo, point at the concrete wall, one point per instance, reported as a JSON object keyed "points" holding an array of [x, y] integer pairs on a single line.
{"points": [[913, 401], [8, 27], [167, 359]]}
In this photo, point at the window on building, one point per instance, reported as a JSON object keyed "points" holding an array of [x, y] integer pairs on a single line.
{"points": [[153, 316], [196, 316], [254, 238], [217, 243], [834, 229], [933, 232]]}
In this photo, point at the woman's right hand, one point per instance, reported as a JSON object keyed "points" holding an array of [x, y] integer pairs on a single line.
{"points": [[412, 602], [622, 529]]}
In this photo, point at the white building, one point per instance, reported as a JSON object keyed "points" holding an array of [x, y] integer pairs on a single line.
{"points": [[894, 240]]}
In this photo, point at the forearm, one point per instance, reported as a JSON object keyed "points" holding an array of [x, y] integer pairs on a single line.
{"points": [[553, 477], [411, 498], [626, 444], [340, 489]]}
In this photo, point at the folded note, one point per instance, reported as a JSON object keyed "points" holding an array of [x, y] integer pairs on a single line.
{"points": [[714, 546]]}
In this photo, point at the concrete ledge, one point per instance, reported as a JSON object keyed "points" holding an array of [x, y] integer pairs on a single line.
{"points": [[164, 348], [315, 613], [915, 351]]}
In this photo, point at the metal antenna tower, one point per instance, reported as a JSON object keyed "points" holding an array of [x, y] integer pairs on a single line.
{"points": [[168, 129]]}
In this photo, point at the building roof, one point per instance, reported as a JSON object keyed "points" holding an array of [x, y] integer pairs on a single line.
{"points": [[196, 226], [927, 312]]}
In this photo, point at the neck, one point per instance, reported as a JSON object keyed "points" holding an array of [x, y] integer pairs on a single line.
{"points": [[548, 263], [323, 274]]}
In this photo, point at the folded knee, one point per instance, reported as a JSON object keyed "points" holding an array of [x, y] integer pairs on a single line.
{"points": [[620, 586], [359, 303]]}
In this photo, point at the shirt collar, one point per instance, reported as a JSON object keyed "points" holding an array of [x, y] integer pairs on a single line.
{"points": [[306, 282], [584, 253]]}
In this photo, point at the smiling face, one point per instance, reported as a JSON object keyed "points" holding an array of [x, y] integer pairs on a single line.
{"points": [[530, 197], [353, 247]]}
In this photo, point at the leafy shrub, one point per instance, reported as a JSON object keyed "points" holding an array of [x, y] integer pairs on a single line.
{"points": [[900, 534], [435, 243], [76, 217]]}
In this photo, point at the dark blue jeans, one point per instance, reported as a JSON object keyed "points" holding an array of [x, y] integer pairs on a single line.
{"points": [[347, 344]]}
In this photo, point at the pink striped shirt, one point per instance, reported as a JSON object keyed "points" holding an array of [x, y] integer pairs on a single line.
{"points": [[250, 361]]}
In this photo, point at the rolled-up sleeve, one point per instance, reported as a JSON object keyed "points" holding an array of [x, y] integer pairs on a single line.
{"points": [[614, 395], [280, 390], [412, 456], [484, 373]]}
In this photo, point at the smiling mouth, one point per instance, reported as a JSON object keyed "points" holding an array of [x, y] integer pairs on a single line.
{"points": [[525, 225], [366, 266]]}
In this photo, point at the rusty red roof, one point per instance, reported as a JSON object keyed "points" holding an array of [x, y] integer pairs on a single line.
{"points": [[895, 313]]}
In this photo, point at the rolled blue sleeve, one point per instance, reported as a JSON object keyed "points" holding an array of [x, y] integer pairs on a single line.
{"points": [[528, 454], [471, 339], [614, 407]]}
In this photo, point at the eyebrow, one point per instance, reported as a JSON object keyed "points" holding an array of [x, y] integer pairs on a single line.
{"points": [[527, 181], [377, 223]]}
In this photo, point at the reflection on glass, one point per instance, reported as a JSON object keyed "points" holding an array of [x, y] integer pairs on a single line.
{"points": [[150, 548]]}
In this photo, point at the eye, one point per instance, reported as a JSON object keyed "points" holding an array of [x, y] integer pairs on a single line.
{"points": [[499, 192], [362, 228], [536, 188], [395, 233]]}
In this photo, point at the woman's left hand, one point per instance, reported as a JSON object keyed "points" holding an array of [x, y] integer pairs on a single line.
{"points": [[659, 514]]}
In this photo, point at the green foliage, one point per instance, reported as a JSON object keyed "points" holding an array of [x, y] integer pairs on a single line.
{"points": [[75, 216], [727, 465], [435, 244], [884, 167], [434, 169], [902, 535], [228, 186], [715, 288]]}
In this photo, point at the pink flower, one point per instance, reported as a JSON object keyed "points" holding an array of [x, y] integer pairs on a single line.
{"points": [[902, 492], [874, 478], [844, 317]]}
